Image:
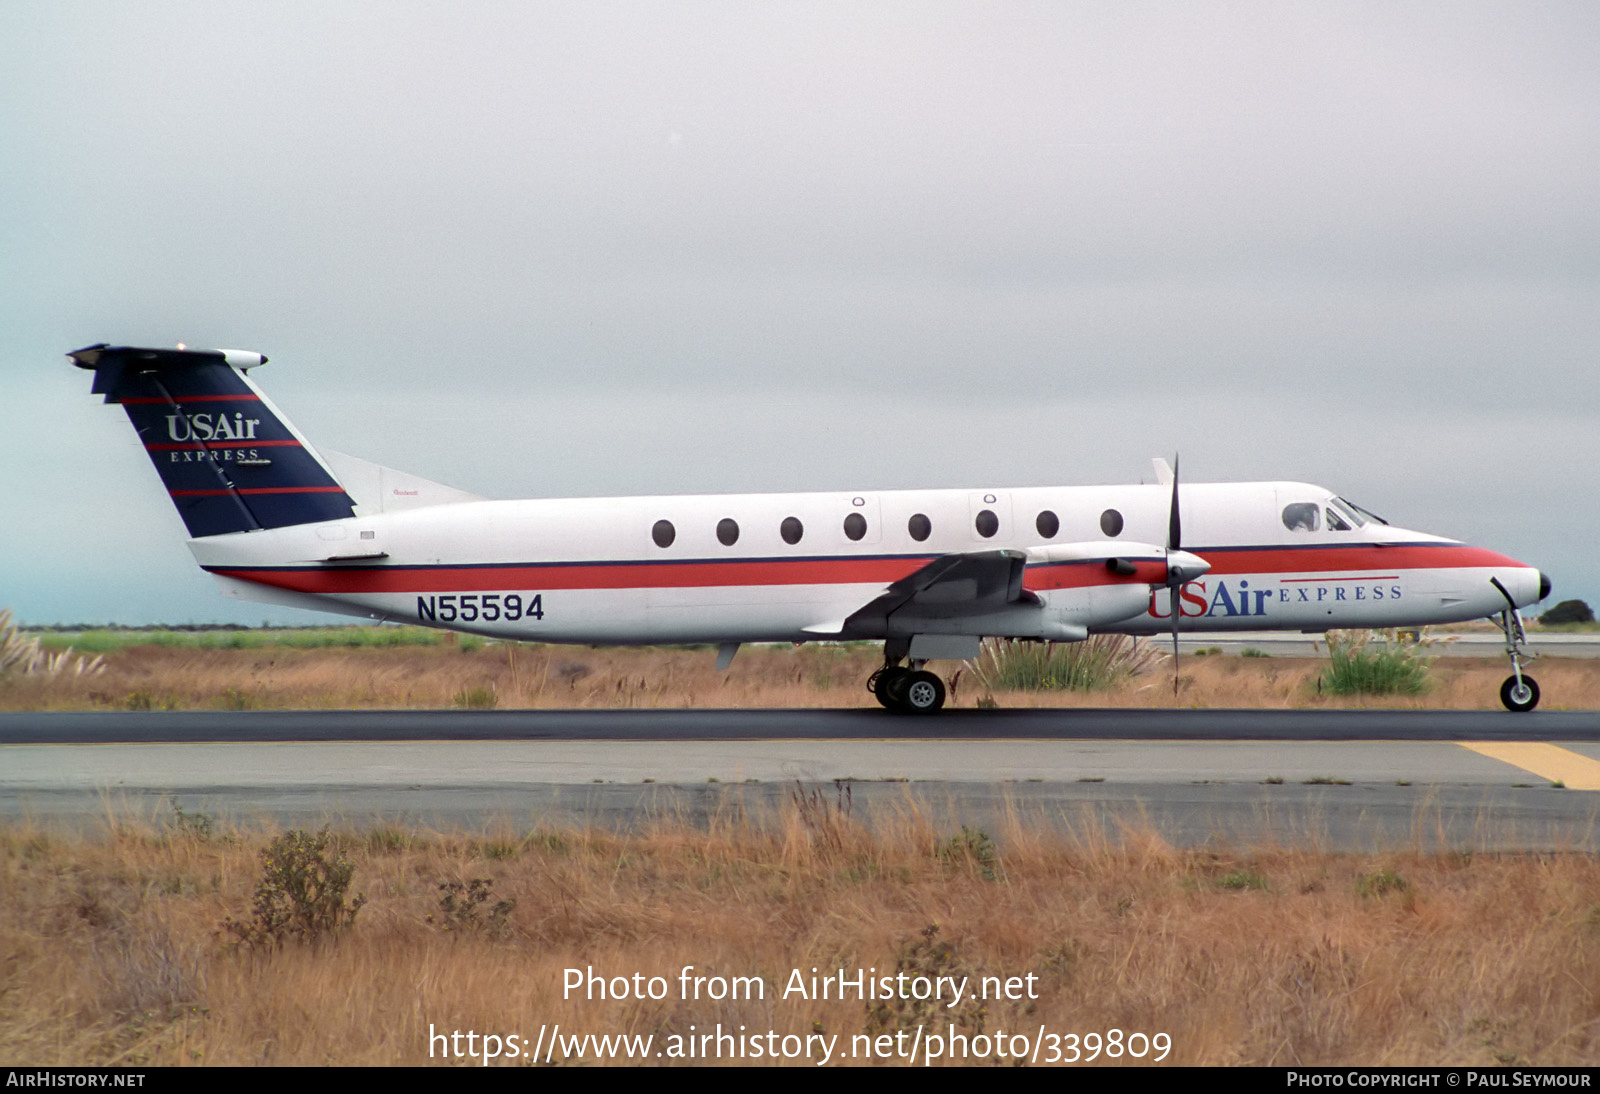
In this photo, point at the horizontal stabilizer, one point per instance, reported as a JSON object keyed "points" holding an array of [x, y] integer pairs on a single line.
{"points": [[378, 489]]}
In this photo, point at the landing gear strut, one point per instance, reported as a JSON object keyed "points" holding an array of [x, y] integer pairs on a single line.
{"points": [[911, 690], [1519, 692]]}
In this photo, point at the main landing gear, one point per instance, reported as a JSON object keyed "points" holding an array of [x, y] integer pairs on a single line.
{"points": [[1519, 692], [911, 690]]}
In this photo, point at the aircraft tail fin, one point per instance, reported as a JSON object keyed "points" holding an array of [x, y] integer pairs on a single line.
{"points": [[228, 458]]}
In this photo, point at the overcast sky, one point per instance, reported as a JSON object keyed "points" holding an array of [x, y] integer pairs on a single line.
{"points": [[573, 249]]}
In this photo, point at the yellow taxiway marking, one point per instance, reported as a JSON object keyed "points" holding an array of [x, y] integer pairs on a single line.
{"points": [[1573, 771]]}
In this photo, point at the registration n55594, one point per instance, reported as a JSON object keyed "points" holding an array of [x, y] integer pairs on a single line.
{"points": [[476, 607]]}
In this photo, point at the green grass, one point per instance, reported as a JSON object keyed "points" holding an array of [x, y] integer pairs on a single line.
{"points": [[1360, 665], [111, 639]]}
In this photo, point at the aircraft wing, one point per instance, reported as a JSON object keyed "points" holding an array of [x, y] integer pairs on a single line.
{"points": [[969, 583], [985, 590]]}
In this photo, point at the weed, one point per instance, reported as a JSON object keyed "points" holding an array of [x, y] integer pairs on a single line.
{"points": [[827, 822], [1359, 665], [1273, 780], [1251, 651], [1099, 662], [461, 908], [388, 841], [972, 846], [300, 894], [144, 700], [1381, 882], [1324, 780], [22, 654], [235, 699], [1241, 880], [470, 643], [197, 825], [475, 698], [932, 959]]}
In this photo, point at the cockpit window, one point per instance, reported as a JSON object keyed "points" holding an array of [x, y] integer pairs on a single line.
{"points": [[1302, 516], [1368, 513], [1336, 523], [1348, 511]]}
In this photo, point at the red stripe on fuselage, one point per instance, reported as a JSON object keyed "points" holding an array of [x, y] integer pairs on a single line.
{"points": [[601, 575], [1357, 556], [339, 580]]}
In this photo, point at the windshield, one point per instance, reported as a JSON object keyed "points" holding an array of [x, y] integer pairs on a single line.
{"points": [[1359, 512], [1339, 507]]}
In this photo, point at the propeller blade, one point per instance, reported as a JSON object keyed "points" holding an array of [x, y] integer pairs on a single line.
{"points": [[1174, 579], [1174, 645], [1174, 523]]}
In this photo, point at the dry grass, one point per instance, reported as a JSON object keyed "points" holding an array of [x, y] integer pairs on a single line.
{"points": [[110, 951], [172, 677]]}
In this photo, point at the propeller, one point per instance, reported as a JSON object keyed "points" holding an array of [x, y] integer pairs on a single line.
{"points": [[1175, 576], [1182, 568]]}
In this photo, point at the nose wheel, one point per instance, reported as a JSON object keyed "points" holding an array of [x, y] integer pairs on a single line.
{"points": [[907, 690], [1519, 693]]}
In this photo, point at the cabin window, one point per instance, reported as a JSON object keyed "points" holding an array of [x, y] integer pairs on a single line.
{"points": [[791, 530], [1302, 516], [1048, 524], [855, 526], [1111, 522], [987, 524], [920, 527], [663, 533], [728, 531]]}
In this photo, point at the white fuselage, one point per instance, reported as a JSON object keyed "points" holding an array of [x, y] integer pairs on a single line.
{"points": [[592, 571]]}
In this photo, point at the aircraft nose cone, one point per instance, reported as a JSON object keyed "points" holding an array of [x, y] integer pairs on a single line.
{"points": [[1182, 567], [1544, 584]]}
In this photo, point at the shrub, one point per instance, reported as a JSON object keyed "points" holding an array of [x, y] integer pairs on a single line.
{"points": [[1568, 611], [461, 907], [301, 892], [1358, 665], [934, 959], [1099, 662]]}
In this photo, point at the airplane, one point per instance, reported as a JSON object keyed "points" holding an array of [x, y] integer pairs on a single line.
{"points": [[930, 573]]}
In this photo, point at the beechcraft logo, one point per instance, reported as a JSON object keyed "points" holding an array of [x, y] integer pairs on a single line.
{"points": [[211, 427]]}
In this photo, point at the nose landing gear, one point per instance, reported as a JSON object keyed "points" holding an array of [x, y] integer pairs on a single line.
{"points": [[1519, 692], [904, 690]]}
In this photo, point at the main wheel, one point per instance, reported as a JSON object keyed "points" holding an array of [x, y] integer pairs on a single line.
{"points": [[923, 693], [1525, 697], [888, 684]]}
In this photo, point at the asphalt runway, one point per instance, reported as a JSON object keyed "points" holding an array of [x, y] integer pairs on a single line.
{"points": [[1349, 780], [112, 727]]}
